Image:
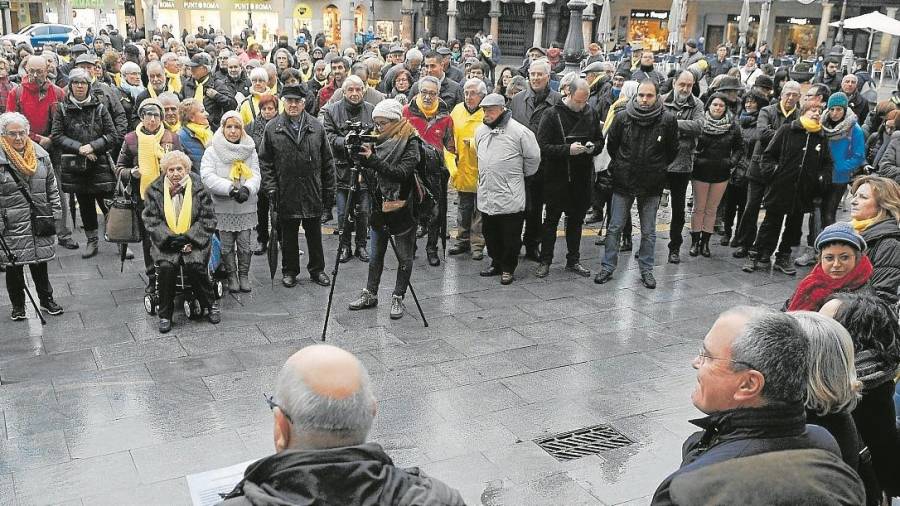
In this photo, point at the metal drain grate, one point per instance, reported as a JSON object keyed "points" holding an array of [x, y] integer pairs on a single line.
{"points": [[582, 442]]}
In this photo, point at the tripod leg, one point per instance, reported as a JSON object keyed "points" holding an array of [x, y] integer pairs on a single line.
{"points": [[34, 304], [409, 284], [343, 221]]}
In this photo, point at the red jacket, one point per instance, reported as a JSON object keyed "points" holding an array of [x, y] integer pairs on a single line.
{"points": [[37, 109], [438, 131], [325, 94]]}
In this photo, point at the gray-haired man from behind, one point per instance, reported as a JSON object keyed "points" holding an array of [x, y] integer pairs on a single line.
{"points": [[323, 409]]}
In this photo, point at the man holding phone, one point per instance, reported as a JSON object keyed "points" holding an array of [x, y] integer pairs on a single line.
{"points": [[569, 136]]}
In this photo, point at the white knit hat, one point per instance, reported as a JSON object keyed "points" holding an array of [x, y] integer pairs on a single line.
{"points": [[388, 109]]}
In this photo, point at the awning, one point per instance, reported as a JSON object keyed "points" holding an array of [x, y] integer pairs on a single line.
{"points": [[872, 21]]}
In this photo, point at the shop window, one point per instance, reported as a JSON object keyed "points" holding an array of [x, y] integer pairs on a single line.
{"points": [[359, 19], [331, 25], [649, 28]]}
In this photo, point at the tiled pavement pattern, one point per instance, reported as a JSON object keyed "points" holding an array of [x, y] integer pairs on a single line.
{"points": [[97, 408]]}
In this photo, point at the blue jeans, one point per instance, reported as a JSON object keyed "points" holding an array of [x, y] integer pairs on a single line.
{"points": [[621, 208]]}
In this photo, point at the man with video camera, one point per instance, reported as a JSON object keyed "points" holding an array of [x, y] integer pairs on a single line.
{"points": [[339, 119]]}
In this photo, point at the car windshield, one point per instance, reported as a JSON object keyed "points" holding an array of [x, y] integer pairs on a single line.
{"points": [[25, 30]]}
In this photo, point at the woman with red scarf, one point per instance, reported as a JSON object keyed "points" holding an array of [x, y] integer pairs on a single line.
{"points": [[842, 267]]}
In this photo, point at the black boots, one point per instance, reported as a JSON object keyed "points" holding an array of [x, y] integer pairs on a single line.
{"points": [[704, 243], [695, 244]]}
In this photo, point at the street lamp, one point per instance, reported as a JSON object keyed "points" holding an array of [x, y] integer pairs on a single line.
{"points": [[575, 38], [839, 38]]}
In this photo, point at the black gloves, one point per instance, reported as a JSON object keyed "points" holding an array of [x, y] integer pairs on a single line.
{"points": [[174, 243], [240, 195], [233, 193]]}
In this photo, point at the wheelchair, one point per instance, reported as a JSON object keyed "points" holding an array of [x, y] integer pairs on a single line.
{"points": [[216, 272]]}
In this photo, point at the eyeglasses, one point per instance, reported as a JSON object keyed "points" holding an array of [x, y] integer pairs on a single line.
{"points": [[428, 93], [270, 400], [382, 123], [16, 135], [704, 355]]}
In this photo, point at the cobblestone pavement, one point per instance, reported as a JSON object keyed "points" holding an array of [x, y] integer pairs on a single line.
{"points": [[98, 408]]}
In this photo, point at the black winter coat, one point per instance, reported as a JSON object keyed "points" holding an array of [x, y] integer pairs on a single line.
{"points": [[567, 178], [796, 167], [883, 240], [110, 97], [640, 155], [770, 120], [216, 106], [527, 111], [744, 432], [393, 181], [74, 126], [749, 136], [334, 117], [297, 166], [717, 155]]}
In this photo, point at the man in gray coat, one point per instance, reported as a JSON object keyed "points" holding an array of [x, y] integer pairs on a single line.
{"points": [[508, 153], [688, 110], [527, 108], [323, 408]]}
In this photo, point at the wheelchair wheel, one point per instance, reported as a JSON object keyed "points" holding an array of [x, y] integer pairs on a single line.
{"points": [[150, 304], [219, 287], [198, 310], [189, 309]]}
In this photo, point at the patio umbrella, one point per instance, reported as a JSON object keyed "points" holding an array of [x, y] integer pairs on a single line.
{"points": [[272, 251], [603, 31], [674, 23], [744, 25]]}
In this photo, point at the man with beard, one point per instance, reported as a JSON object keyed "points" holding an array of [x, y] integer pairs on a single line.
{"points": [[304, 64], [339, 68], [318, 81], [642, 143], [528, 107], [688, 110], [830, 76], [236, 78], [646, 70], [569, 136], [217, 96], [858, 104], [335, 117], [771, 118], [600, 195], [507, 154]]}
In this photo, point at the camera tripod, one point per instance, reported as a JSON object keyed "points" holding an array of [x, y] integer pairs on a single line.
{"points": [[345, 224], [4, 248]]}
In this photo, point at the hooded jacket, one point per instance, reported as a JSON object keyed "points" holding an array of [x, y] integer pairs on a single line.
{"points": [[848, 152], [507, 154], [362, 475]]}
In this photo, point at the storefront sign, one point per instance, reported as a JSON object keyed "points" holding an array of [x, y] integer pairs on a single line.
{"points": [[785, 20], [253, 6], [87, 4], [167, 4], [736, 18], [302, 11], [209, 6], [642, 14]]}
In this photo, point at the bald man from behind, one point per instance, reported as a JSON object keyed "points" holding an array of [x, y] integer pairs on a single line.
{"points": [[323, 409]]}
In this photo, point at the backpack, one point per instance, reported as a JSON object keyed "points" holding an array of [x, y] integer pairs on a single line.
{"points": [[428, 176]]}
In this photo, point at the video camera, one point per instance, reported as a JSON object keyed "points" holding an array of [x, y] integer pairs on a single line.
{"points": [[357, 135]]}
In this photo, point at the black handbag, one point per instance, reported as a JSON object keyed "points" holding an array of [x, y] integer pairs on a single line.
{"points": [[43, 224], [123, 221], [75, 165]]}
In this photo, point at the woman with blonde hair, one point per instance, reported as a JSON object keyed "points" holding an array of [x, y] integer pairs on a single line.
{"points": [[875, 213]]}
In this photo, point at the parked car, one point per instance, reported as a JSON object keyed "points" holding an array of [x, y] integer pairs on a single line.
{"points": [[38, 34]]}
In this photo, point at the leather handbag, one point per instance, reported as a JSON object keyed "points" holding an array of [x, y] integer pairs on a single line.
{"points": [[75, 165], [43, 224], [123, 223]]}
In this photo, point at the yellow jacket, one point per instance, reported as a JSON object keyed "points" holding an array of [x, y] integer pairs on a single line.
{"points": [[465, 177]]}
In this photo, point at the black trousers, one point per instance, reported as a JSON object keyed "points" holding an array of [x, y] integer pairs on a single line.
{"points": [[15, 283], [747, 232], [875, 419], [167, 277], [574, 223], [733, 206], [262, 218], [678, 184], [534, 214], [503, 240], [290, 247], [770, 230], [830, 202], [88, 210], [149, 265]]}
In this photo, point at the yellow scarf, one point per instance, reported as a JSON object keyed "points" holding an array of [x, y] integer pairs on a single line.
{"points": [[149, 154], [240, 170], [117, 78], [174, 128], [174, 81], [786, 113], [151, 91], [612, 113], [178, 223], [861, 225], [199, 91], [429, 113], [202, 132], [810, 125], [373, 82], [27, 163], [307, 74]]}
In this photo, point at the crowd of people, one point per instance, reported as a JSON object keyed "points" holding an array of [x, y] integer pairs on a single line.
{"points": [[209, 137]]}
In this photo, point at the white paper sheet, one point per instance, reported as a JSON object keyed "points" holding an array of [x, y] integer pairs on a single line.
{"points": [[205, 487]]}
